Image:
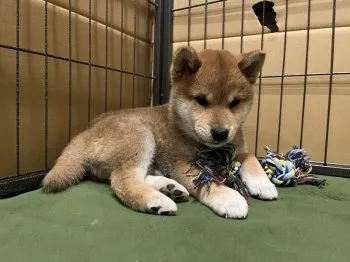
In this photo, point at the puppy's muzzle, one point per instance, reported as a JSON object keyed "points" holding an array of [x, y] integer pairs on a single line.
{"points": [[219, 134]]}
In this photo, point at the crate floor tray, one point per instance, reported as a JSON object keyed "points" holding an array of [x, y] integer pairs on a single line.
{"points": [[86, 223]]}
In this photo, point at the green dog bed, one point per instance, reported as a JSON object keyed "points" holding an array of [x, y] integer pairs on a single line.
{"points": [[86, 223]]}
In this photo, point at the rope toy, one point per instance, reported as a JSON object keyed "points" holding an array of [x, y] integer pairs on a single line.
{"points": [[218, 165], [290, 170]]}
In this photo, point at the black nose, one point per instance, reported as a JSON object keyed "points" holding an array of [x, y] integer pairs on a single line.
{"points": [[219, 134]]}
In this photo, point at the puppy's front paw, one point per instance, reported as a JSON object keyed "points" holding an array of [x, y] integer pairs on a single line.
{"points": [[227, 203], [261, 187], [161, 205], [257, 182]]}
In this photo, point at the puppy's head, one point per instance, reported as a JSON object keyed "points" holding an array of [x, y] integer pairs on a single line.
{"points": [[212, 92]]}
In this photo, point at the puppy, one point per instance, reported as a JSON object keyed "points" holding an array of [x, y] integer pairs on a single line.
{"points": [[145, 153]]}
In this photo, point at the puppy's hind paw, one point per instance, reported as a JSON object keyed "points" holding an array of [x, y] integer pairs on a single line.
{"points": [[176, 191], [168, 187], [54, 183], [162, 205]]}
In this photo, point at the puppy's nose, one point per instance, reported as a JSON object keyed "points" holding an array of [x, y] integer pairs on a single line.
{"points": [[219, 134]]}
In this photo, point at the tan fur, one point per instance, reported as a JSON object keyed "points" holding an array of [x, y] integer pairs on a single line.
{"points": [[128, 145]]}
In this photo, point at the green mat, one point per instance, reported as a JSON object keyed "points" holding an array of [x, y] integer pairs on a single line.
{"points": [[86, 223]]}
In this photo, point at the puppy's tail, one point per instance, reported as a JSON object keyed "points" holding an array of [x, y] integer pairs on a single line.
{"points": [[69, 168]]}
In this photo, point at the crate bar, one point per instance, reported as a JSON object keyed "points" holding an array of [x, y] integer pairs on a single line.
{"points": [[163, 50], [70, 71], [158, 54], [329, 107], [223, 25], [189, 23], [306, 74], [282, 78], [260, 78], [89, 90], [73, 60], [148, 84], [205, 23], [46, 103], [152, 3], [150, 76], [106, 58], [197, 5], [134, 52], [151, 29], [121, 54], [17, 92], [242, 26]]}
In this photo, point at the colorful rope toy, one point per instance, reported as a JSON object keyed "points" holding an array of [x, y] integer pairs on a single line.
{"points": [[290, 170], [218, 164]]}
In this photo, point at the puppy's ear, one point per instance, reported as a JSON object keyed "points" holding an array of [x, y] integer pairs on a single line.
{"points": [[251, 64], [185, 61]]}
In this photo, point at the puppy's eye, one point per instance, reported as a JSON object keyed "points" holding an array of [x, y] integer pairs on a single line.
{"points": [[202, 101], [234, 103]]}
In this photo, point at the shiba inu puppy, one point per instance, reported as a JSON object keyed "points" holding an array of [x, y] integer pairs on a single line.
{"points": [[144, 153]]}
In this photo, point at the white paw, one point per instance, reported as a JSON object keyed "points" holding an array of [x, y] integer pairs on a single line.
{"points": [[168, 187], [228, 203], [261, 187], [161, 205]]}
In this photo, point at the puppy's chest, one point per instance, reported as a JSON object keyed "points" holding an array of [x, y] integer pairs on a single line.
{"points": [[168, 155]]}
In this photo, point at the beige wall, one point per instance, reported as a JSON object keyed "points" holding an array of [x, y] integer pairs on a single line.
{"points": [[32, 71], [319, 62]]}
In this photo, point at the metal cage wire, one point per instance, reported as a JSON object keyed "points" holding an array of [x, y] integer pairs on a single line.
{"points": [[21, 182], [323, 167], [162, 52]]}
